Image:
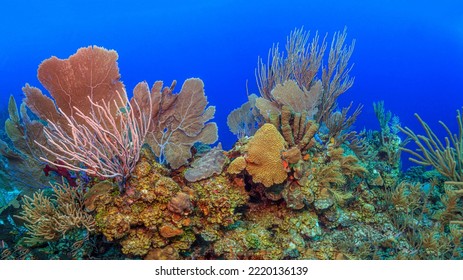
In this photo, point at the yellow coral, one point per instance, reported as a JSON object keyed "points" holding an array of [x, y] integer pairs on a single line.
{"points": [[137, 243], [264, 156], [237, 165], [48, 219]]}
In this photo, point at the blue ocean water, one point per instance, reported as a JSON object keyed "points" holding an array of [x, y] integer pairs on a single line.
{"points": [[407, 53]]}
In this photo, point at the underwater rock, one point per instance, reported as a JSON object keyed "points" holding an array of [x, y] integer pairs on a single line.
{"points": [[324, 200], [97, 191], [209, 164], [166, 253], [180, 204], [168, 231]]}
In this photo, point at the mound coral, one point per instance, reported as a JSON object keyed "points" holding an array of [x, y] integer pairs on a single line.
{"points": [[263, 159]]}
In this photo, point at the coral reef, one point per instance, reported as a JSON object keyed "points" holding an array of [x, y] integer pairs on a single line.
{"points": [[98, 131], [156, 214], [298, 183]]}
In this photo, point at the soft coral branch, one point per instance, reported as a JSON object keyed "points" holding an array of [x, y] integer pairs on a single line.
{"points": [[108, 146]]}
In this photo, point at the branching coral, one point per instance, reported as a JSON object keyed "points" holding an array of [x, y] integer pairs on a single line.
{"points": [[301, 63], [335, 76], [294, 127], [108, 145], [446, 158], [49, 219], [338, 124]]}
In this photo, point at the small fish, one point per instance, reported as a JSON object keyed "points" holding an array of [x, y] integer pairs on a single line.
{"points": [[318, 139]]}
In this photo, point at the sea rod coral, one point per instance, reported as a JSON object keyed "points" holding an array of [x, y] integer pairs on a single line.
{"points": [[446, 158]]}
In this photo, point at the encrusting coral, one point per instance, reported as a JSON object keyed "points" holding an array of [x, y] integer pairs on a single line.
{"points": [[156, 213], [207, 165]]}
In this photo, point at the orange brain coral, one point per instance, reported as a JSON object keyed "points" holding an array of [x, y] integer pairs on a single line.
{"points": [[264, 161]]}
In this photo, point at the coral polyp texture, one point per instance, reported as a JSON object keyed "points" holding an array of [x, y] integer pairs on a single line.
{"points": [[135, 177], [263, 159]]}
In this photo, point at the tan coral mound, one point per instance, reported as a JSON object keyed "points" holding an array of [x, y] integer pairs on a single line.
{"points": [[237, 165], [264, 161]]}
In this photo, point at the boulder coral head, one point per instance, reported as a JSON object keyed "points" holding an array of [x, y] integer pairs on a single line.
{"points": [[264, 161]]}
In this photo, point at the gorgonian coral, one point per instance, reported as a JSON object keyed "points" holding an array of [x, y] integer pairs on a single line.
{"points": [[92, 126], [178, 120]]}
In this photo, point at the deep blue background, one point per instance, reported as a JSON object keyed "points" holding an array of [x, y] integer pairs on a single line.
{"points": [[408, 53]]}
